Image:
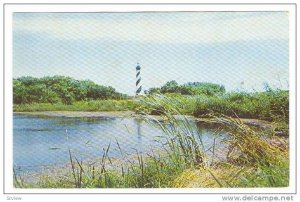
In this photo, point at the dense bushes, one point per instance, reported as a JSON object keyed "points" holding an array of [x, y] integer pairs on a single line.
{"points": [[59, 89], [271, 105], [190, 88]]}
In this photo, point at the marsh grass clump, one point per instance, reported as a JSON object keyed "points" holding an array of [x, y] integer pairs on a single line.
{"points": [[251, 145], [181, 137], [268, 162]]}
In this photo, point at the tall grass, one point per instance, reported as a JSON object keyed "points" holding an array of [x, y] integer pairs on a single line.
{"points": [[271, 105], [251, 160], [248, 148]]}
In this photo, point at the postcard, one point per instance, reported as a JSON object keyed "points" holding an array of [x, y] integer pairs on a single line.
{"points": [[150, 98]]}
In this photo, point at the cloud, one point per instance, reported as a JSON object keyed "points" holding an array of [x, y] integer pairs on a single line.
{"points": [[197, 27]]}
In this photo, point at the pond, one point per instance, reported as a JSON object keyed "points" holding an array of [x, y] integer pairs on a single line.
{"points": [[46, 141]]}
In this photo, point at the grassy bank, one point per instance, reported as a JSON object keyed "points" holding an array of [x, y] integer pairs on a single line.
{"points": [[269, 105], [60, 93], [250, 159], [94, 105]]}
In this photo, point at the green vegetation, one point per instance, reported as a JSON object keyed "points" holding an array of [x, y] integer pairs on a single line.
{"points": [[59, 89], [191, 88], [271, 105], [93, 105], [251, 158], [60, 93]]}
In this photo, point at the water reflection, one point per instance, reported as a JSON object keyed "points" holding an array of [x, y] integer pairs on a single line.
{"points": [[39, 141], [139, 133]]}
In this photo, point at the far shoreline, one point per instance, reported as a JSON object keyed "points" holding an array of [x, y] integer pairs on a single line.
{"points": [[80, 114], [131, 114]]}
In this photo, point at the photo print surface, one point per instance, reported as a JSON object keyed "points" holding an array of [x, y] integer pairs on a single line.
{"points": [[151, 99]]}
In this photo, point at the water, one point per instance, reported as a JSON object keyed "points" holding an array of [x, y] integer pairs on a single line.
{"points": [[41, 141]]}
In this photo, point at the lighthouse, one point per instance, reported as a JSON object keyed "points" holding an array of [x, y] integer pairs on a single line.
{"points": [[138, 80]]}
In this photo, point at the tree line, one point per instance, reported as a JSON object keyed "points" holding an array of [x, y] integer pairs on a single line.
{"points": [[190, 88], [59, 89], [198, 97]]}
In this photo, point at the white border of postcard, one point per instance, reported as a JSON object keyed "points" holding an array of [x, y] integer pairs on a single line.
{"points": [[11, 8]]}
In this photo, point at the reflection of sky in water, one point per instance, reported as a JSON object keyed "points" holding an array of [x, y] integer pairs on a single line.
{"points": [[45, 141]]}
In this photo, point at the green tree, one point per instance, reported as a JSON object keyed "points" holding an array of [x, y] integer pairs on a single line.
{"points": [[170, 87], [54, 89]]}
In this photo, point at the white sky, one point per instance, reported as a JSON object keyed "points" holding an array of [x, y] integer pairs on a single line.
{"points": [[228, 48]]}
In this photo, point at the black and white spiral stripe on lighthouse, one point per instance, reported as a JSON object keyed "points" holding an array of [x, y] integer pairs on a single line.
{"points": [[138, 80]]}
